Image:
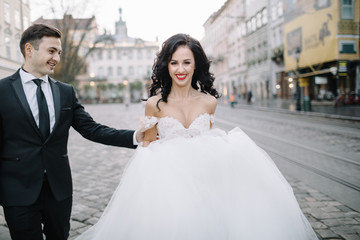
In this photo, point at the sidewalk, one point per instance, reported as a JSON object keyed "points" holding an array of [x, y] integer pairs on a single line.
{"points": [[320, 109]]}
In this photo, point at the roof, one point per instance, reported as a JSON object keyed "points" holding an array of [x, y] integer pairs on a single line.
{"points": [[76, 23]]}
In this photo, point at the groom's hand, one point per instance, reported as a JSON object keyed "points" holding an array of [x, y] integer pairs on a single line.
{"points": [[140, 135]]}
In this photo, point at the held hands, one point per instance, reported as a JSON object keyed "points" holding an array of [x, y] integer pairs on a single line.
{"points": [[147, 130], [140, 135]]}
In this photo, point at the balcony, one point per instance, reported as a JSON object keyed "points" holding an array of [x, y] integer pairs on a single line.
{"points": [[277, 54], [348, 28]]}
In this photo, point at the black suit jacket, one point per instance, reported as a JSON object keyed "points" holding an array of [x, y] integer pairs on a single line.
{"points": [[24, 154]]}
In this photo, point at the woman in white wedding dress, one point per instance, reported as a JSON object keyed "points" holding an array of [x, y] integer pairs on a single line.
{"points": [[190, 181]]}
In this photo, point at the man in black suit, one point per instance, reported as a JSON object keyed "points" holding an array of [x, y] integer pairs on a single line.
{"points": [[35, 117]]}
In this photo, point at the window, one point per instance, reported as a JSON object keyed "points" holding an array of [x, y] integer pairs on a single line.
{"points": [[148, 54], [18, 52], [347, 46], [139, 54], [347, 9], [248, 26], [140, 71], [109, 54], [17, 19], [118, 54], [264, 16], [280, 10], [99, 55], [8, 45], [110, 71], [253, 24], [101, 72], [119, 71], [25, 22], [130, 55], [131, 70], [243, 29], [258, 20], [273, 13], [149, 71], [7, 12]]}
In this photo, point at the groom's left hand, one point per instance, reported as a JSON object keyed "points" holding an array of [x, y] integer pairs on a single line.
{"points": [[140, 135]]}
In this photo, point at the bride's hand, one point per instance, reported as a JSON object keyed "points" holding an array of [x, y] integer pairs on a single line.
{"points": [[140, 135], [147, 132], [145, 143], [147, 122]]}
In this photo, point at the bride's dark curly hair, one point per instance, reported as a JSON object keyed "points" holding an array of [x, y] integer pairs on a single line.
{"points": [[202, 78]]}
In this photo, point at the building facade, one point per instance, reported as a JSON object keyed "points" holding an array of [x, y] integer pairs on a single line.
{"points": [[322, 47], [14, 19], [121, 63], [239, 40], [237, 49], [306, 49], [257, 45], [216, 46]]}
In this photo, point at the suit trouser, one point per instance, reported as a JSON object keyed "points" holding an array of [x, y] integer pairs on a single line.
{"points": [[46, 216]]}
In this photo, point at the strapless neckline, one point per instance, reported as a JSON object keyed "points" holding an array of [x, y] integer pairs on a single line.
{"points": [[171, 127], [191, 124]]}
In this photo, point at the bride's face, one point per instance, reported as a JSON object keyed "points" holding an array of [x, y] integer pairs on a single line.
{"points": [[181, 66]]}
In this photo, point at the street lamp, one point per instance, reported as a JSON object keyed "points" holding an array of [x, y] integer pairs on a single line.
{"points": [[127, 93], [298, 90]]}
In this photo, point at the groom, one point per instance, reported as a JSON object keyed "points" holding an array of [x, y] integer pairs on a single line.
{"points": [[36, 113]]}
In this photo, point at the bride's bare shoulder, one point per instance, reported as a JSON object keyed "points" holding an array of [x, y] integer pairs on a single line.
{"points": [[150, 107], [153, 100], [209, 101]]}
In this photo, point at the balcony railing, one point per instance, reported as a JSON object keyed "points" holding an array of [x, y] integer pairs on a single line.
{"points": [[348, 27]]}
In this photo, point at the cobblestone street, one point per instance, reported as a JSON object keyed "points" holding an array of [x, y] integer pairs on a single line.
{"points": [[97, 170]]}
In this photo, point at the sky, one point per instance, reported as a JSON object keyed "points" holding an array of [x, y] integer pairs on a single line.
{"points": [[146, 19]]}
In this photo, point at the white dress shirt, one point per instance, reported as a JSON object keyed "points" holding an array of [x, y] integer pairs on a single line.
{"points": [[30, 93]]}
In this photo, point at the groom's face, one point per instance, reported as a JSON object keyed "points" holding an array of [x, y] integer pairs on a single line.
{"points": [[43, 58]]}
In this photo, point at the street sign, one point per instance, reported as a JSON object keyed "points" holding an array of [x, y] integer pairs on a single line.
{"points": [[303, 82]]}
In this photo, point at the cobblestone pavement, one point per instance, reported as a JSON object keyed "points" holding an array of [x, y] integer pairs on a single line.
{"points": [[97, 170]]}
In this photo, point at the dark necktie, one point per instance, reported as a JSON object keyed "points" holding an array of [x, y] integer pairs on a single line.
{"points": [[44, 119]]}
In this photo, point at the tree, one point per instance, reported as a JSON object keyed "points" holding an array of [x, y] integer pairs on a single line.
{"points": [[79, 39], [136, 86], [120, 86]]}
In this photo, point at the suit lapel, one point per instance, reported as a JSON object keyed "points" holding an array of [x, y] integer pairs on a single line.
{"points": [[56, 96], [19, 91]]}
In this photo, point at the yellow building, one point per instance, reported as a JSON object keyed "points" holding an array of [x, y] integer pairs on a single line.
{"points": [[322, 47]]}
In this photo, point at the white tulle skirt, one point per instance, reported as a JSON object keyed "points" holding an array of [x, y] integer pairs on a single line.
{"points": [[215, 186]]}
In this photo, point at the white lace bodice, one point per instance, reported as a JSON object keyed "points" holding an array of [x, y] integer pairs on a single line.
{"points": [[169, 126]]}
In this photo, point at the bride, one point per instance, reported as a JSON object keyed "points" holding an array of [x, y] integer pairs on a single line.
{"points": [[189, 181]]}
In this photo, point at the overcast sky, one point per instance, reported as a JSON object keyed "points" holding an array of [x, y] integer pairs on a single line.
{"points": [[146, 19]]}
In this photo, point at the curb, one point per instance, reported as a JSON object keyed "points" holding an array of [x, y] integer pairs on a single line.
{"points": [[314, 114]]}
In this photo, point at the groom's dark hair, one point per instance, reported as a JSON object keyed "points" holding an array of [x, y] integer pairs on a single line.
{"points": [[35, 33]]}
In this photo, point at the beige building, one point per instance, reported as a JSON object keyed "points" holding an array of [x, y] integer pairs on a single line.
{"points": [[14, 19], [236, 39], [121, 63], [237, 48], [216, 46]]}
